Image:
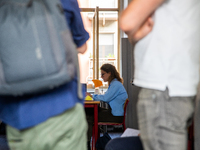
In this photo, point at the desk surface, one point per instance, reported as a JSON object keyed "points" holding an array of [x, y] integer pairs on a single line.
{"points": [[92, 102]]}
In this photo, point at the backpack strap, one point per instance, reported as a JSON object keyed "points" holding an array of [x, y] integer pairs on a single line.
{"points": [[30, 3]]}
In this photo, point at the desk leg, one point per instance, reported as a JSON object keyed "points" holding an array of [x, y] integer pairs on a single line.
{"points": [[95, 123]]}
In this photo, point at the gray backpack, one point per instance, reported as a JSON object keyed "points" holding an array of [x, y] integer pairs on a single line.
{"points": [[37, 52]]}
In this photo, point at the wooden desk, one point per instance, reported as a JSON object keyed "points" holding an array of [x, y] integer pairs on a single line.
{"points": [[94, 104]]}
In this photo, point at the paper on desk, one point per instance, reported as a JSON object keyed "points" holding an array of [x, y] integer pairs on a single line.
{"points": [[130, 132]]}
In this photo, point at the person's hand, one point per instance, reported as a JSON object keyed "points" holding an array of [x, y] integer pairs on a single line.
{"points": [[82, 48], [88, 94], [143, 31]]}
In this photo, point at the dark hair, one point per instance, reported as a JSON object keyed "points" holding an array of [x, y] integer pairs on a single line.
{"points": [[114, 73]]}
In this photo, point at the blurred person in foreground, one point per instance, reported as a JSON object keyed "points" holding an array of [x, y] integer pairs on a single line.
{"points": [[54, 120], [166, 38]]}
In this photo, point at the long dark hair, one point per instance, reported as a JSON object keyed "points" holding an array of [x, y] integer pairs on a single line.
{"points": [[114, 73]]}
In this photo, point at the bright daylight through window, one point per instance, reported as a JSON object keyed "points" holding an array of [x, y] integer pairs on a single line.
{"points": [[100, 18]]}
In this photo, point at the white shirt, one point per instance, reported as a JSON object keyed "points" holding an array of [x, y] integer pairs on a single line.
{"points": [[169, 55]]}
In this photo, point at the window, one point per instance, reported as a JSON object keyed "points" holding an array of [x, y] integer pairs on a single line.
{"points": [[100, 3], [100, 18], [106, 46]]}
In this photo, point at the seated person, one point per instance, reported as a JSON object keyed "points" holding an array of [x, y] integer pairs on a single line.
{"points": [[115, 96]]}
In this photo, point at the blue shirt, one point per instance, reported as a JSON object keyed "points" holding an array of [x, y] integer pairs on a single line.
{"points": [[25, 112], [115, 96], [72, 13]]}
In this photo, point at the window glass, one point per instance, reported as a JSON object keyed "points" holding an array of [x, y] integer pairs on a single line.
{"points": [[100, 3], [106, 45]]}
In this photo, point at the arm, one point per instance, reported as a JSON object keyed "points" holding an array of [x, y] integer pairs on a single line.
{"points": [[136, 19], [82, 48], [110, 94]]}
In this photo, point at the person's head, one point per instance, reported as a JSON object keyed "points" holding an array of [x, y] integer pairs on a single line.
{"points": [[109, 72]]}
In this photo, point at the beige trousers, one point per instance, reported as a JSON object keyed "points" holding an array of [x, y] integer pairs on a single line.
{"points": [[66, 131]]}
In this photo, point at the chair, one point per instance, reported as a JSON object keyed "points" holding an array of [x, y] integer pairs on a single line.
{"points": [[112, 123]]}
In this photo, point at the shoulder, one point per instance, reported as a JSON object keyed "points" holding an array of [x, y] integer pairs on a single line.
{"points": [[115, 82]]}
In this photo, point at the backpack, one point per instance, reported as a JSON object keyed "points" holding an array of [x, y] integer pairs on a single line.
{"points": [[102, 141], [37, 52]]}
